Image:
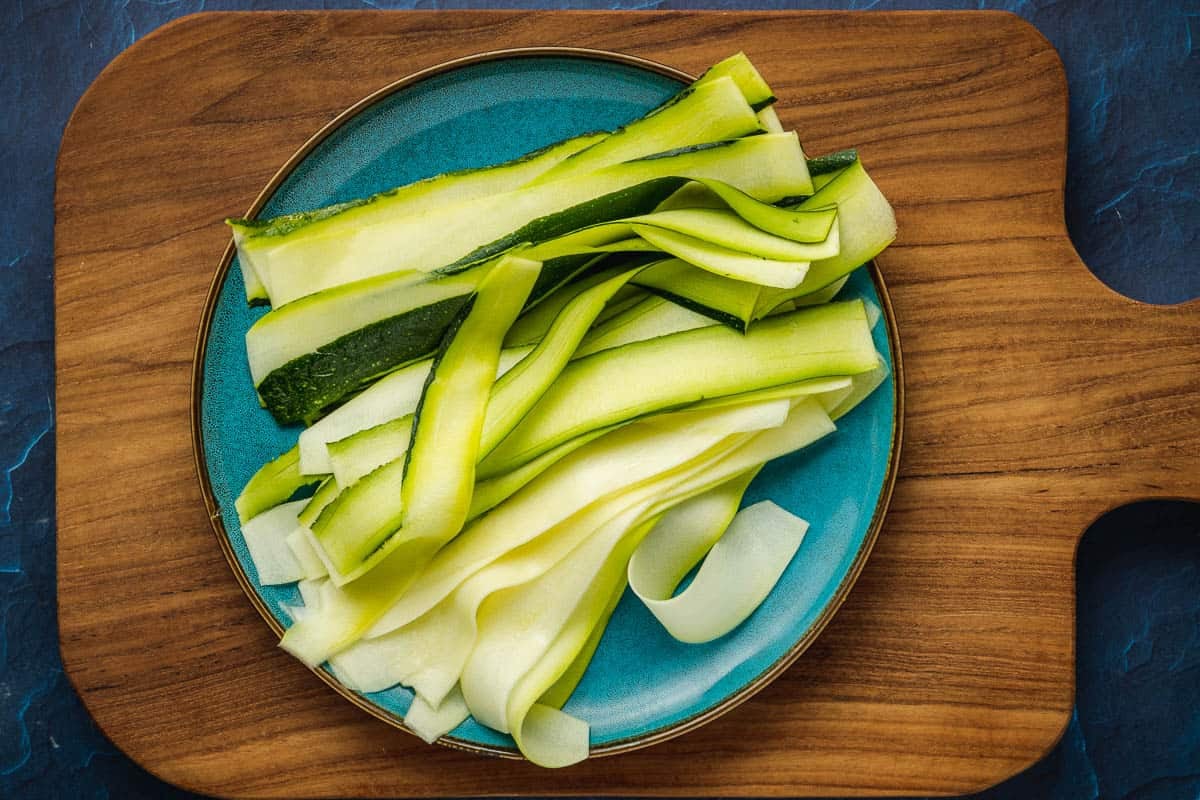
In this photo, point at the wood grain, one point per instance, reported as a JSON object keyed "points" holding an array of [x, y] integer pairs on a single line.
{"points": [[1037, 399]]}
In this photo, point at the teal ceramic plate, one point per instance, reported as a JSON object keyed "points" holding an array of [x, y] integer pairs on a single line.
{"points": [[642, 686]]}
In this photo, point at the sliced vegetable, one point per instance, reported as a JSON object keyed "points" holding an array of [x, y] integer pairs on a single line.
{"points": [[393, 396], [709, 111], [756, 91], [518, 628], [768, 120], [811, 224], [433, 723], [769, 167], [723, 261], [430, 651], [531, 326], [729, 230], [438, 474], [558, 694], [491, 492], [727, 301], [265, 239], [308, 354], [742, 564], [362, 454], [519, 389], [669, 329], [612, 463], [266, 539], [300, 543], [325, 494], [275, 482], [866, 225], [644, 377], [448, 424], [648, 319], [369, 508]]}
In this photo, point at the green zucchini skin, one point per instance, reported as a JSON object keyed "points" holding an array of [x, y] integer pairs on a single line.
{"points": [[769, 166], [286, 224], [628, 202], [274, 483], [821, 170], [301, 388], [688, 286], [832, 162], [729, 320]]}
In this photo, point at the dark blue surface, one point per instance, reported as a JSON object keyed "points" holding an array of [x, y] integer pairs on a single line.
{"points": [[1133, 208]]}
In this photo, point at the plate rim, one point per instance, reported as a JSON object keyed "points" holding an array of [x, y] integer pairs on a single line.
{"points": [[216, 523]]}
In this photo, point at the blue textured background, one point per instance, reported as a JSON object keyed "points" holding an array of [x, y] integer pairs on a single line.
{"points": [[1133, 208]]}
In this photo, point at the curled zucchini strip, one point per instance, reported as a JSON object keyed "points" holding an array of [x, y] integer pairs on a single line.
{"points": [[558, 694], [740, 570], [548, 737], [535, 631], [730, 230], [725, 262], [552, 738]]}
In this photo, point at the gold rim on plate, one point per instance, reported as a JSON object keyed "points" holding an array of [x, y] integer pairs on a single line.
{"points": [[214, 513]]}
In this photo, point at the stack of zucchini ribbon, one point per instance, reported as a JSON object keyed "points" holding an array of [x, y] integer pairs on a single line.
{"points": [[529, 385]]}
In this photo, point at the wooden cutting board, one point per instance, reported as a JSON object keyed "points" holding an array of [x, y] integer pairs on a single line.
{"points": [[1036, 399]]}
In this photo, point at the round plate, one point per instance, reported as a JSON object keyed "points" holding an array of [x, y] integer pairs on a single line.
{"points": [[482, 110]]}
